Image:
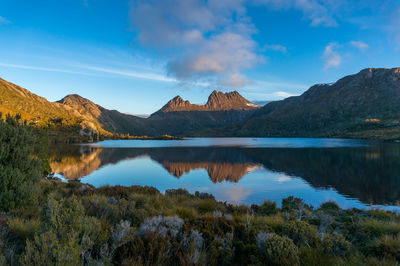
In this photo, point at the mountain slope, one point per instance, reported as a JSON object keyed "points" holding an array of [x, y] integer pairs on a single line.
{"points": [[71, 119], [110, 120], [16, 100], [361, 105]]}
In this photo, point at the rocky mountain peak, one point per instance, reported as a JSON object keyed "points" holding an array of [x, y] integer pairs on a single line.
{"points": [[217, 101], [228, 101]]}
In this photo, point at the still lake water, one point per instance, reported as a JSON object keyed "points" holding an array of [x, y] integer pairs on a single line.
{"points": [[353, 173]]}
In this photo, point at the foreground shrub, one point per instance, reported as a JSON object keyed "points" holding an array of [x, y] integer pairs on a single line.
{"points": [[163, 225], [150, 249], [277, 250], [300, 232], [330, 206], [386, 246], [68, 237], [20, 172], [295, 206], [267, 208], [335, 244]]}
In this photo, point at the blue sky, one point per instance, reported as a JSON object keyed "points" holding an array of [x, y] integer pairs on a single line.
{"points": [[136, 55]]}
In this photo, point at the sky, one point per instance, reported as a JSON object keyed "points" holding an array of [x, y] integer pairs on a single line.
{"points": [[135, 55]]}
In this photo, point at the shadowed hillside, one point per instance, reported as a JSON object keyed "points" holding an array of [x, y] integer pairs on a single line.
{"points": [[364, 105]]}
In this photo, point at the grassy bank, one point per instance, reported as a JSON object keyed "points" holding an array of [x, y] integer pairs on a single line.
{"points": [[76, 223]]}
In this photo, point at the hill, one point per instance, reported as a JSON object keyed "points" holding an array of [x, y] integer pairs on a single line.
{"points": [[75, 119], [364, 105], [109, 120]]}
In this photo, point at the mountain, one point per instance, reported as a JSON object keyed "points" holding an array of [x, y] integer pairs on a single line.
{"points": [[110, 120], [180, 117], [72, 119], [16, 100], [217, 101], [64, 123], [75, 119], [364, 105]]}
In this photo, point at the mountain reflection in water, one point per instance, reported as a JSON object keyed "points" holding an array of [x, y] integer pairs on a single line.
{"points": [[370, 174]]}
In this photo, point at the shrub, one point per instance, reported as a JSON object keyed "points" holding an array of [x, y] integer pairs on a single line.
{"points": [[375, 228], [220, 251], [186, 213], [163, 225], [277, 250], [20, 172], [193, 243], [120, 233], [386, 246], [300, 232], [206, 205], [68, 237], [204, 195], [23, 228], [150, 249], [178, 192], [335, 244], [295, 206], [330, 206], [267, 208]]}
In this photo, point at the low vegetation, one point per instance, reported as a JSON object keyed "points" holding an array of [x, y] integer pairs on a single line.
{"points": [[76, 223], [71, 223]]}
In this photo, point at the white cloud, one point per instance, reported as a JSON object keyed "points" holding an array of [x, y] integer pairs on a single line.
{"points": [[317, 11], [4, 21], [203, 40], [360, 45], [235, 80], [43, 69], [331, 57], [284, 94], [271, 96], [283, 179], [127, 73], [276, 47]]}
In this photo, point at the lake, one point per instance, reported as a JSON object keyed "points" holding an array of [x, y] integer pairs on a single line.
{"points": [[353, 173]]}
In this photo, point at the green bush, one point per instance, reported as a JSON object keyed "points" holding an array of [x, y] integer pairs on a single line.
{"points": [[278, 250], [20, 171], [267, 208], [150, 249], [330, 206], [386, 246], [68, 237], [302, 233], [335, 244], [178, 192], [370, 228]]}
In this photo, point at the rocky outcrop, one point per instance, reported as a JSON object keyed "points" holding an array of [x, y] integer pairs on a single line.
{"points": [[217, 101]]}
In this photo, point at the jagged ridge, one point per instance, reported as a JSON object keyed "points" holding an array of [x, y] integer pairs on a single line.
{"points": [[217, 101]]}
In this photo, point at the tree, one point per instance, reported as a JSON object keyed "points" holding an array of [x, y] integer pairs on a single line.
{"points": [[20, 170]]}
